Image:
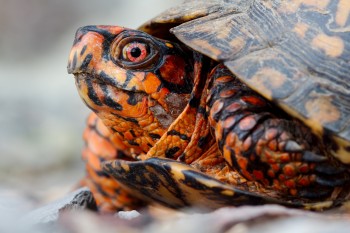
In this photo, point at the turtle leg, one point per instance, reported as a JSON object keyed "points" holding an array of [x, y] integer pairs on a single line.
{"points": [[101, 146], [265, 145]]}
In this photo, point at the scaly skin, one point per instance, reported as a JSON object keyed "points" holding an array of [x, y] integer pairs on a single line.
{"points": [[266, 146], [136, 107], [156, 99], [101, 145]]}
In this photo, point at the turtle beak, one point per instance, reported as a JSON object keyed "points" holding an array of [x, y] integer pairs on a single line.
{"points": [[88, 47], [79, 54]]}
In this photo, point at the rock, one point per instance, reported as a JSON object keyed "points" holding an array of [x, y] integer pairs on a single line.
{"points": [[71, 214], [246, 219], [77, 200], [128, 214]]}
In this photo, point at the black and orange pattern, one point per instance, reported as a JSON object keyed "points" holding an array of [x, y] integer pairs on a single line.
{"points": [[100, 146], [266, 145], [173, 126]]}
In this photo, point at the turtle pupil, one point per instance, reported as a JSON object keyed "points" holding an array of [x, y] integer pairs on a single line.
{"points": [[135, 52]]}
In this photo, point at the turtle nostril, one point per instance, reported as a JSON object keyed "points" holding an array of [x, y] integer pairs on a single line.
{"points": [[81, 32], [78, 35]]}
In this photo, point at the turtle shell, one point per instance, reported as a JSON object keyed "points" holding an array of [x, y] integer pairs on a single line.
{"points": [[293, 52]]}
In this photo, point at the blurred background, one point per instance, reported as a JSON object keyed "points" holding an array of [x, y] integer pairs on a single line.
{"points": [[42, 117]]}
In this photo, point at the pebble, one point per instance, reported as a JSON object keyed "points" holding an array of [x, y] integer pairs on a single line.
{"points": [[128, 214]]}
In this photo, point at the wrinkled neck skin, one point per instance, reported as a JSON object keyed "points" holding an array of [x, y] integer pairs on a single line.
{"points": [[136, 100]]}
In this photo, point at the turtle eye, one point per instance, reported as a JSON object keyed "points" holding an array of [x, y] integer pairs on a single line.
{"points": [[135, 52]]}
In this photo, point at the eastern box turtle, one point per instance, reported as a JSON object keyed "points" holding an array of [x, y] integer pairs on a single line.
{"points": [[217, 103]]}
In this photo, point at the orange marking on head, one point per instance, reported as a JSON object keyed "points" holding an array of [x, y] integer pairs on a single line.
{"points": [[90, 38], [160, 97], [112, 70], [128, 135], [135, 111], [99, 93], [151, 83], [118, 143], [137, 81], [112, 29]]}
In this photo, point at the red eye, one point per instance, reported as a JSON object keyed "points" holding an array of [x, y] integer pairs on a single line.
{"points": [[135, 52]]}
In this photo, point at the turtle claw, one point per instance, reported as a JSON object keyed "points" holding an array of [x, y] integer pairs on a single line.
{"points": [[329, 169], [325, 182], [310, 193], [293, 146], [328, 174], [331, 181], [309, 156]]}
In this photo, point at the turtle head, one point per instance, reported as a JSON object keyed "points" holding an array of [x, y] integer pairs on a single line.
{"points": [[130, 79]]}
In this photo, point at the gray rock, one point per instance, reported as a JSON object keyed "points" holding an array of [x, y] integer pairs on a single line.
{"points": [[128, 214], [77, 200]]}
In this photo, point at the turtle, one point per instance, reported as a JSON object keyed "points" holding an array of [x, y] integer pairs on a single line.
{"points": [[219, 103]]}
